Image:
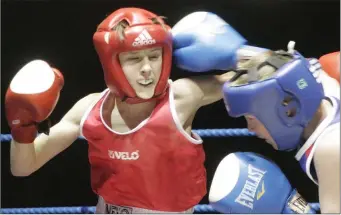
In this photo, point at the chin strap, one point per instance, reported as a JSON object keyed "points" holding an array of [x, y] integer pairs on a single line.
{"points": [[136, 100]]}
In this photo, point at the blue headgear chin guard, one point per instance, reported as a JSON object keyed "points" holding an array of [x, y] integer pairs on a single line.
{"points": [[285, 103]]}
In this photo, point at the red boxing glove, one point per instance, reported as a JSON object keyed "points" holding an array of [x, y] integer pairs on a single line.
{"points": [[30, 99], [331, 64]]}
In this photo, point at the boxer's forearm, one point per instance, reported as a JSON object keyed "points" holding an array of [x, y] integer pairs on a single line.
{"points": [[22, 158], [210, 86], [27, 158]]}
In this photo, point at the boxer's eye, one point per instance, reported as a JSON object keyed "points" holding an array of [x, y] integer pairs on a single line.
{"points": [[154, 57], [133, 59]]}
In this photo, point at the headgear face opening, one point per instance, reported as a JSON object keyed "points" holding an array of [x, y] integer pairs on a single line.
{"points": [[285, 103], [108, 46]]}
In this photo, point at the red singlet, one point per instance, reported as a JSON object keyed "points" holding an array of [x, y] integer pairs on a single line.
{"points": [[155, 166]]}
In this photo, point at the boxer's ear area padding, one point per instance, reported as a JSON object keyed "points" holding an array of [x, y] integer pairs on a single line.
{"points": [[286, 101], [291, 112], [225, 178]]}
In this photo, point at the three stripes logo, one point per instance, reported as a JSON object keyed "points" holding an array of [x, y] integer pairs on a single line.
{"points": [[143, 38], [316, 69]]}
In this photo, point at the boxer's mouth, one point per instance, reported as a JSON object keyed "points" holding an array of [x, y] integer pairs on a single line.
{"points": [[145, 82]]}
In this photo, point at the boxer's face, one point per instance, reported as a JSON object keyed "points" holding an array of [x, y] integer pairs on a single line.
{"points": [[254, 125], [142, 69]]}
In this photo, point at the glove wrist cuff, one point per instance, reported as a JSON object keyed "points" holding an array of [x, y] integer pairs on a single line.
{"points": [[24, 135], [297, 204]]}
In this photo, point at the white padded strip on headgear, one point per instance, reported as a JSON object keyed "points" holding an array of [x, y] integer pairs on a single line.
{"points": [[225, 178], [35, 77]]}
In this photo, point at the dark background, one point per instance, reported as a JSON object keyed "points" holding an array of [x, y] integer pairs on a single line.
{"points": [[60, 32]]}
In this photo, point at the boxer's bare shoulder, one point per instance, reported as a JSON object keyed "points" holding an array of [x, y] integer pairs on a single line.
{"points": [[76, 113], [192, 93], [195, 92], [187, 100]]}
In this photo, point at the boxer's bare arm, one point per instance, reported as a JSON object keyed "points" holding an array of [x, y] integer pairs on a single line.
{"points": [[27, 158], [327, 164], [192, 93], [205, 89]]}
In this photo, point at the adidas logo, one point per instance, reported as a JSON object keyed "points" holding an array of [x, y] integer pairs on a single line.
{"points": [[316, 69], [143, 38]]}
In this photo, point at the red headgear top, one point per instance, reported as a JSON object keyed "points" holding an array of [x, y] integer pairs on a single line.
{"points": [[108, 46]]}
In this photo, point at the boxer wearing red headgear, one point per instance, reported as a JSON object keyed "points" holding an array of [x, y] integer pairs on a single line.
{"points": [[144, 157], [142, 33]]}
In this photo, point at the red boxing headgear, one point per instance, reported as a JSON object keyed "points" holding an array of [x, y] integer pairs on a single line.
{"points": [[331, 64], [142, 33]]}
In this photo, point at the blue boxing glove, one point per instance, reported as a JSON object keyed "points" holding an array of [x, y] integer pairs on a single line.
{"points": [[203, 42], [245, 182]]}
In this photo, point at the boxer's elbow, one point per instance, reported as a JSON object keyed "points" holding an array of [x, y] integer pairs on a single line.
{"points": [[20, 172], [22, 159], [21, 169]]}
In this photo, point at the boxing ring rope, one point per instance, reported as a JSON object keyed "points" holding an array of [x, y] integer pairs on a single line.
{"points": [[234, 132], [201, 208], [80, 210]]}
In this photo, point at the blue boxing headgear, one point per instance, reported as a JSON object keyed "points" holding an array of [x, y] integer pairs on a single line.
{"points": [[285, 102]]}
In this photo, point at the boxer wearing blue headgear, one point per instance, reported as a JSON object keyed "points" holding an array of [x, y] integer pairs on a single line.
{"points": [[286, 99], [294, 105]]}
